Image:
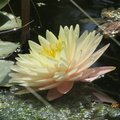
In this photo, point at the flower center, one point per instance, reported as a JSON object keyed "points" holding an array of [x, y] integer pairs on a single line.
{"points": [[53, 50]]}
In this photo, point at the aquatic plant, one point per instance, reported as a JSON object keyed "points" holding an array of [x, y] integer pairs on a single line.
{"points": [[57, 63]]}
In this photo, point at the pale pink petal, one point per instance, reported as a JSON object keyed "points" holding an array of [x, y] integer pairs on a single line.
{"points": [[103, 70], [53, 94], [92, 59], [96, 73], [65, 87], [50, 86], [85, 74], [75, 77], [90, 49], [103, 97]]}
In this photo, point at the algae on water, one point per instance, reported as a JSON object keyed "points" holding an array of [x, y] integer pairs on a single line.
{"points": [[72, 106]]}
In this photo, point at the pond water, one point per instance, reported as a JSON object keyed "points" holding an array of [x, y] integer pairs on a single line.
{"points": [[53, 14]]}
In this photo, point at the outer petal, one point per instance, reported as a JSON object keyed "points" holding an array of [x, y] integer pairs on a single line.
{"points": [[97, 72], [103, 97], [34, 47], [50, 86], [86, 64], [53, 94], [65, 87], [82, 37], [89, 49]]}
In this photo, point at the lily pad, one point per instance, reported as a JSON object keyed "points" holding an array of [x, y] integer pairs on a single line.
{"points": [[3, 3], [4, 70], [7, 47], [8, 21]]}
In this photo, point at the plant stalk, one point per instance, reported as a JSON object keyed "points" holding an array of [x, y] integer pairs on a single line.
{"points": [[25, 15]]}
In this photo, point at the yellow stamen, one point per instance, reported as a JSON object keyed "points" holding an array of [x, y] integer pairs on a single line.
{"points": [[53, 50]]}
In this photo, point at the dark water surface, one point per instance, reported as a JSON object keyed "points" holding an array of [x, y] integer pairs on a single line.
{"points": [[55, 13]]}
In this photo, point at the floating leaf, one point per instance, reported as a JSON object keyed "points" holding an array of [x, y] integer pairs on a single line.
{"points": [[3, 3], [111, 29], [7, 47], [4, 70], [8, 21]]}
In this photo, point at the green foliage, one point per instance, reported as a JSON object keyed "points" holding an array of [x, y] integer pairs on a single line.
{"points": [[3, 3], [8, 21], [6, 48], [4, 70]]}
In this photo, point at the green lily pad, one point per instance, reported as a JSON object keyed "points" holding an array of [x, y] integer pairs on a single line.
{"points": [[8, 21], [7, 47], [4, 70], [3, 3]]}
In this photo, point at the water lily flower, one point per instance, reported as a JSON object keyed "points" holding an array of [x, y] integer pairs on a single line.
{"points": [[59, 62]]}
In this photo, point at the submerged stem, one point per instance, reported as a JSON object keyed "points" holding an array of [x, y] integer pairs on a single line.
{"points": [[25, 14]]}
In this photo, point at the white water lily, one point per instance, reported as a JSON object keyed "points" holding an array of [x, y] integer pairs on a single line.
{"points": [[57, 63]]}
